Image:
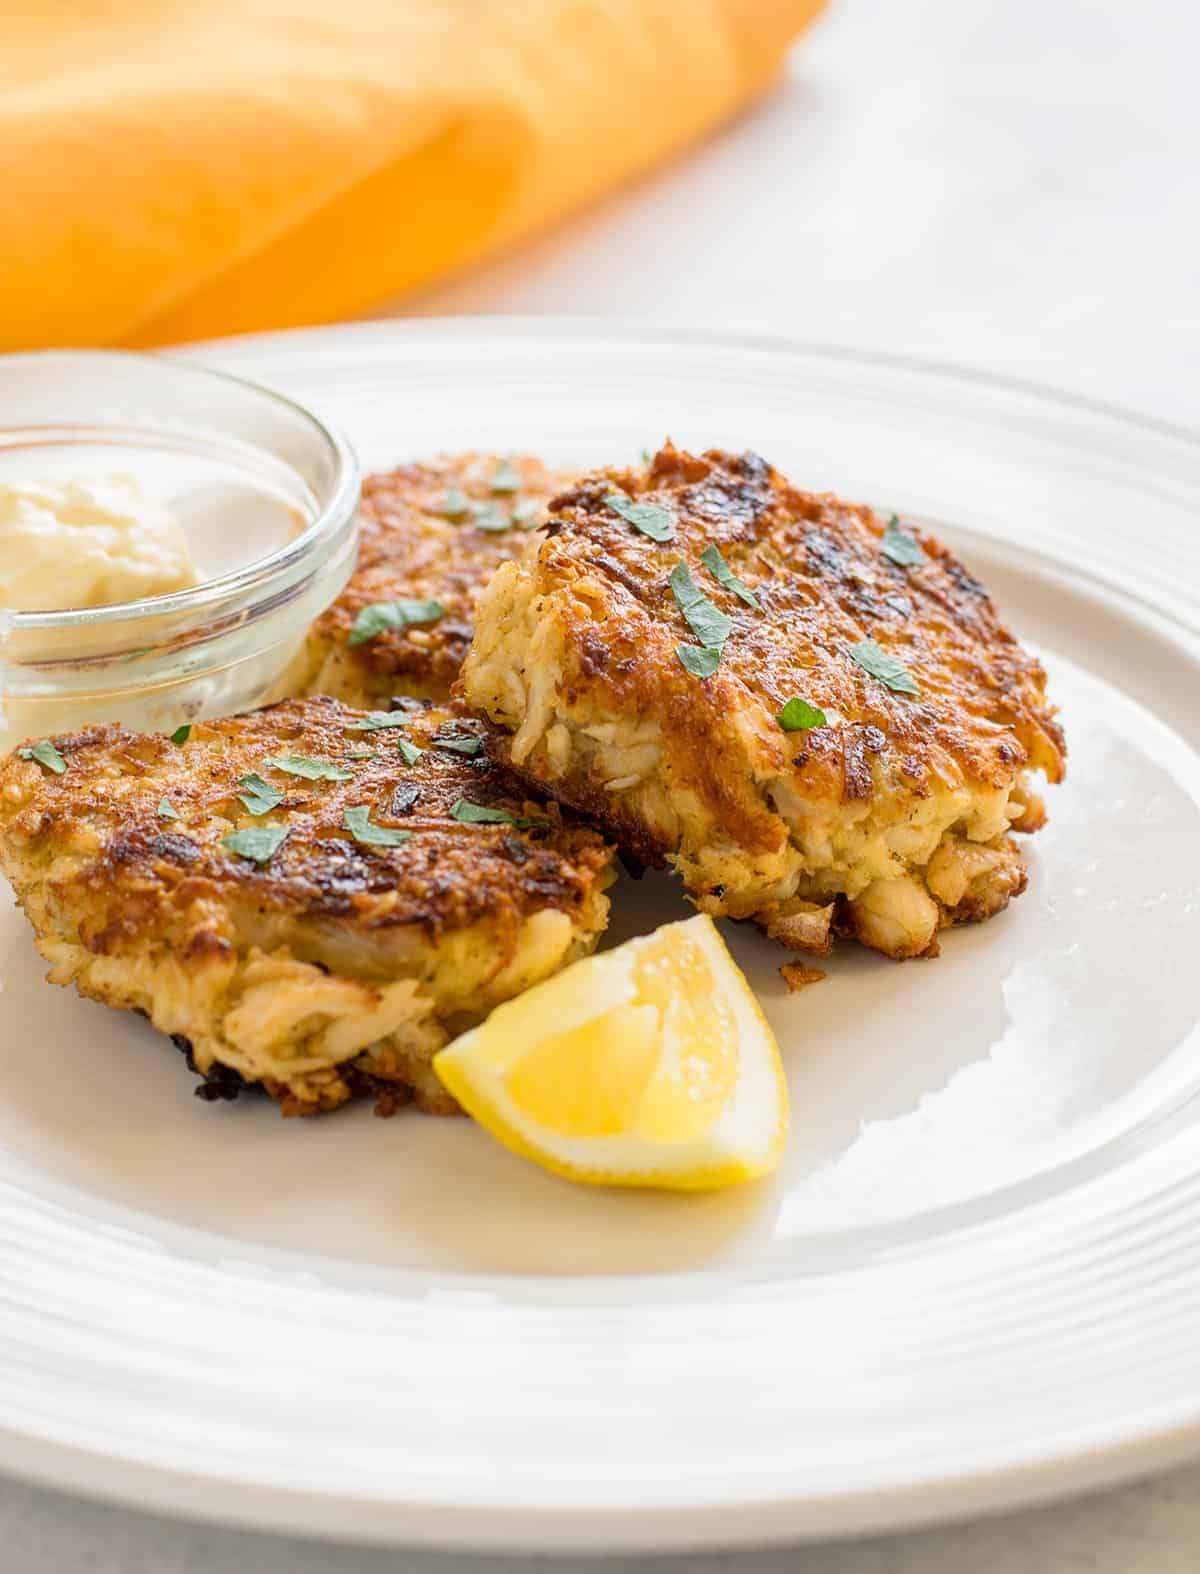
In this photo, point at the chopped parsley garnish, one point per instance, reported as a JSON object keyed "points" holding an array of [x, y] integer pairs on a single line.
{"points": [[167, 810], [893, 674], [710, 625], [182, 734], [649, 518], [259, 797], [700, 660], [409, 752], [504, 478], [468, 813], [490, 516], [377, 720], [798, 715], [311, 770], [455, 504], [46, 755], [259, 843], [903, 549], [358, 822], [382, 615], [451, 737], [724, 575]]}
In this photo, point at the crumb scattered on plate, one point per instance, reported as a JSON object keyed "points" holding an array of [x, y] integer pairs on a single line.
{"points": [[797, 977]]}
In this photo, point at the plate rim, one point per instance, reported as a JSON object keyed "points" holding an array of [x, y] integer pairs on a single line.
{"points": [[624, 326], [1130, 1454]]}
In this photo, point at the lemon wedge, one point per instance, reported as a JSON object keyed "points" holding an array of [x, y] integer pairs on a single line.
{"points": [[648, 1065]]}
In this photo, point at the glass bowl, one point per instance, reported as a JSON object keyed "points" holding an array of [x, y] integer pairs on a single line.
{"points": [[266, 495]]}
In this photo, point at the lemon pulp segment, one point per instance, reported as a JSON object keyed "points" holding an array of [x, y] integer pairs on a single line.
{"points": [[649, 1065]]}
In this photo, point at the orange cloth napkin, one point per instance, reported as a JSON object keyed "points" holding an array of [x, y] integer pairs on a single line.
{"points": [[171, 169]]}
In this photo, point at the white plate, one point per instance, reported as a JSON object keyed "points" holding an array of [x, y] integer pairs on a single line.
{"points": [[975, 1281]]}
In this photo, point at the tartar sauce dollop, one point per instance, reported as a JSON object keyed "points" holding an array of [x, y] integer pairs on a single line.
{"points": [[87, 542]]}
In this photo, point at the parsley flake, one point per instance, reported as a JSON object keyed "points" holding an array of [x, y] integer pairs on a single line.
{"points": [[798, 715], [710, 626], [311, 770], [409, 752], [182, 734], [377, 720], [892, 673], [490, 516], [468, 813], [724, 575], [47, 757], [901, 547], [382, 615], [259, 797], [455, 505], [649, 518], [700, 660], [469, 743], [167, 810], [504, 478], [259, 843], [358, 822]]}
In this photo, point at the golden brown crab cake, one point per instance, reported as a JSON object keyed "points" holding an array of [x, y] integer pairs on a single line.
{"points": [[312, 898], [431, 536], [657, 699]]}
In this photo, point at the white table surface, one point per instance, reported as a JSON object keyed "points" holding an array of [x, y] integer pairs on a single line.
{"points": [[1010, 184]]}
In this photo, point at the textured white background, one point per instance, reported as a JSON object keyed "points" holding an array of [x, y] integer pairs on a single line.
{"points": [[1010, 184]]}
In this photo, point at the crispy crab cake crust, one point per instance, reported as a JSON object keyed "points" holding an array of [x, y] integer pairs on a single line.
{"points": [[416, 545], [335, 969], [888, 822]]}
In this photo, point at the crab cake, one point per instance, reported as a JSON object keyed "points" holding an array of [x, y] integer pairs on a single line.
{"points": [[431, 536], [812, 712], [311, 898]]}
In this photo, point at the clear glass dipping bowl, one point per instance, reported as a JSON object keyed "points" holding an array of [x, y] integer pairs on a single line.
{"points": [[267, 496]]}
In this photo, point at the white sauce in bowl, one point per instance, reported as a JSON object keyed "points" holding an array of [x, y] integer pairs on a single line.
{"points": [[87, 542]]}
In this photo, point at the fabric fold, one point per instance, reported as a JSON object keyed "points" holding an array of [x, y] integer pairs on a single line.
{"points": [[202, 167]]}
